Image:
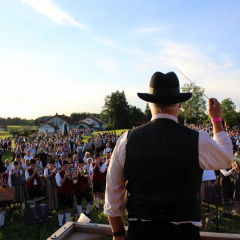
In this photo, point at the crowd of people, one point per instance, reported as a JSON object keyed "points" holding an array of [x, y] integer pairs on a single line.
{"points": [[60, 169], [229, 179], [65, 169], [233, 132]]}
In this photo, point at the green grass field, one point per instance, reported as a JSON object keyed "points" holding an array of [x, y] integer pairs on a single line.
{"points": [[5, 134], [15, 229]]}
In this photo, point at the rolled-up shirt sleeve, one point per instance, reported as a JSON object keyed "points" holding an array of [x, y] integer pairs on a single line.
{"points": [[103, 168], [115, 188], [10, 178], [226, 173], [58, 179], [91, 169], [216, 153]]}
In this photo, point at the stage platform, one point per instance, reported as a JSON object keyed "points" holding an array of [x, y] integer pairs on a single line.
{"points": [[92, 231]]}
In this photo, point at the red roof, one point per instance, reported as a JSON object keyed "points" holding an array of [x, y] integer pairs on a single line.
{"points": [[97, 119], [82, 122], [63, 117], [94, 118]]}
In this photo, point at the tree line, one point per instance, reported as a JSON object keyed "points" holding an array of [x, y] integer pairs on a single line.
{"points": [[16, 121], [117, 113]]}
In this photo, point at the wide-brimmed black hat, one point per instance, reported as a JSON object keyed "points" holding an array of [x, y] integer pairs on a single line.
{"points": [[164, 89]]}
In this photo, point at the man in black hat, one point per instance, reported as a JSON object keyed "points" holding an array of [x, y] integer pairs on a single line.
{"points": [[162, 203]]}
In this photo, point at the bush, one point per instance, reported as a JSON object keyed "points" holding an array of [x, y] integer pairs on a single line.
{"points": [[108, 126]]}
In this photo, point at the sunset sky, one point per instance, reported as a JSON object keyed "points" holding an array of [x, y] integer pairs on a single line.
{"points": [[65, 56]]}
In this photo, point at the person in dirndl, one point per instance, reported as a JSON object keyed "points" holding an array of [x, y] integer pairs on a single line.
{"points": [[14, 173], [51, 188]]}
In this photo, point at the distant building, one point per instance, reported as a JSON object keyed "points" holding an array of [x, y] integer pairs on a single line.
{"points": [[56, 124], [3, 128], [43, 119], [91, 122]]}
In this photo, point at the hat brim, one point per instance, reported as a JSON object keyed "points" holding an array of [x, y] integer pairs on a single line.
{"points": [[182, 97]]}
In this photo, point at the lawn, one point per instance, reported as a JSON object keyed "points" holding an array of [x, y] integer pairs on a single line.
{"points": [[4, 134]]}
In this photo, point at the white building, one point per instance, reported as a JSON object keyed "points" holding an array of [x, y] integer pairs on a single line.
{"points": [[48, 127], [56, 124], [92, 122]]}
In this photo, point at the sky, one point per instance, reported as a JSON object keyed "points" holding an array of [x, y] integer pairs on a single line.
{"points": [[65, 56]]}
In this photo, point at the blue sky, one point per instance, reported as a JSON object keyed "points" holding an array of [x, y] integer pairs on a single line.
{"points": [[65, 56]]}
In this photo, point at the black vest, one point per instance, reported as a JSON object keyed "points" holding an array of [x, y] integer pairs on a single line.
{"points": [[163, 172]]}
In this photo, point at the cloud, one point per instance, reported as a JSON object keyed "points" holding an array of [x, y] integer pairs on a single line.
{"points": [[112, 44], [47, 8], [149, 30], [215, 72], [107, 42]]}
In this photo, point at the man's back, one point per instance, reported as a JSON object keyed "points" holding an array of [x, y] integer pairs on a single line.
{"points": [[162, 166]]}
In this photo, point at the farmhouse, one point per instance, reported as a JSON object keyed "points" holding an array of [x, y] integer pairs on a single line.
{"points": [[91, 122], [56, 124]]}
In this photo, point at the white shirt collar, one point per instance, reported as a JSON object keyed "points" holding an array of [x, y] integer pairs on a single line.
{"points": [[164, 115]]}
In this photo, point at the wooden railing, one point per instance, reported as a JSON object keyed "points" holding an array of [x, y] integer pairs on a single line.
{"points": [[91, 231]]}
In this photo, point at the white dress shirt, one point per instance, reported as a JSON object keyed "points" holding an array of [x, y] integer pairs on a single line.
{"points": [[226, 173], [27, 175], [9, 167], [213, 154], [101, 169], [58, 179], [28, 157], [106, 150]]}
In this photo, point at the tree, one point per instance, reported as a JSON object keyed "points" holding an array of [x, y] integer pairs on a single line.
{"points": [[195, 107], [37, 122], [229, 113], [147, 113], [116, 109], [136, 116], [228, 106]]}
